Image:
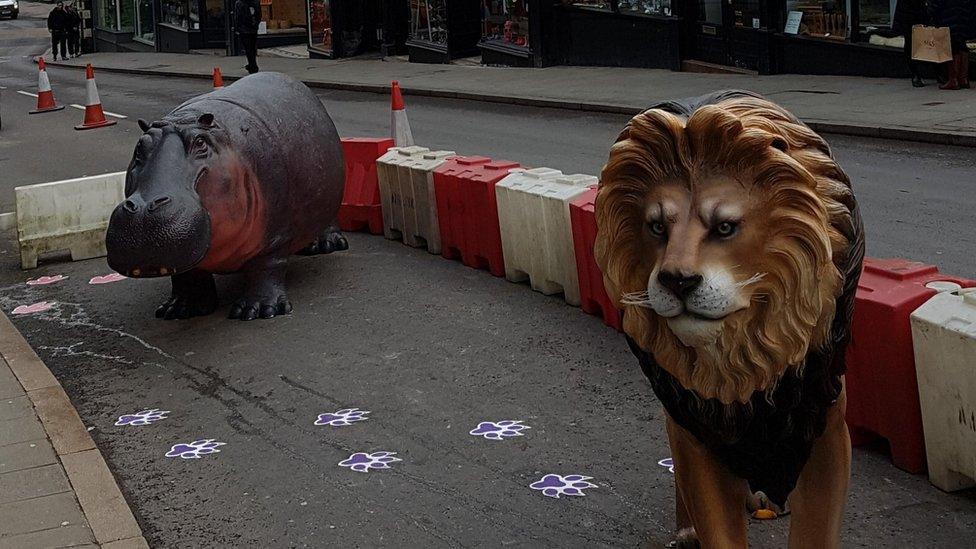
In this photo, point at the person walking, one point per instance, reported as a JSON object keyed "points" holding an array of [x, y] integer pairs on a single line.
{"points": [[57, 25], [960, 17], [909, 13], [74, 30], [247, 18]]}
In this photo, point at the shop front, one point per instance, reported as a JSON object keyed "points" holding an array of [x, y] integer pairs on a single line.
{"points": [[347, 28], [114, 21], [620, 33], [443, 30]]}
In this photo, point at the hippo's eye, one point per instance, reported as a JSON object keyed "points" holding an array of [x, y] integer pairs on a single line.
{"points": [[200, 146]]}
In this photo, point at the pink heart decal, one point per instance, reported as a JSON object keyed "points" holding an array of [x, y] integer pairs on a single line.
{"points": [[35, 308], [46, 280], [113, 277]]}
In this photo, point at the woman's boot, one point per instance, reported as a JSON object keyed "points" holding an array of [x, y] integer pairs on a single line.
{"points": [[952, 83], [964, 69]]}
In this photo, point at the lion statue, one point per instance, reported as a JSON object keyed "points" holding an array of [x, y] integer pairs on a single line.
{"points": [[732, 241]]}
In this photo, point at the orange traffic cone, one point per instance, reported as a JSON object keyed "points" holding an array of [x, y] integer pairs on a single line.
{"points": [[402, 137], [218, 80], [45, 97], [94, 117]]}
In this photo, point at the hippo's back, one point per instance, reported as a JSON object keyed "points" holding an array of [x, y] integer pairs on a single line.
{"points": [[282, 130]]}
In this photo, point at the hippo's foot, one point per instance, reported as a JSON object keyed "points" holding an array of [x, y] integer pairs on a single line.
{"points": [[265, 294], [332, 240], [194, 294]]}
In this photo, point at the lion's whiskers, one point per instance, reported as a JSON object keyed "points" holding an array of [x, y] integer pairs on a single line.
{"points": [[637, 299]]}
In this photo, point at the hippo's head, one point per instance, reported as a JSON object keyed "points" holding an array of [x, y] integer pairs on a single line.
{"points": [[182, 192]]}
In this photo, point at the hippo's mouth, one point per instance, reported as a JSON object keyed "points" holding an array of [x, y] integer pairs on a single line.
{"points": [[163, 243]]}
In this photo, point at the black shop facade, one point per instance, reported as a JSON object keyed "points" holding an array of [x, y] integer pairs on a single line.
{"points": [[830, 37]]}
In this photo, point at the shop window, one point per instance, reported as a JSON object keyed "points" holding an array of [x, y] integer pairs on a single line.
{"points": [[115, 15], [320, 25], [827, 19], [284, 16], [428, 21], [710, 11], [746, 14], [173, 12], [592, 4], [646, 7], [505, 22], [145, 22]]}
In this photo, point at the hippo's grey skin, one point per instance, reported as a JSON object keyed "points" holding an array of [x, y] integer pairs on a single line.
{"points": [[235, 180]]}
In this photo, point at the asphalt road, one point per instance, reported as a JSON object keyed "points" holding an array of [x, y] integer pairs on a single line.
{"points": [[429, 347]]}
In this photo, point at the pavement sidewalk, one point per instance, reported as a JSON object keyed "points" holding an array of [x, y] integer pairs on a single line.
{"points": [[875, 107], [55, 488]]}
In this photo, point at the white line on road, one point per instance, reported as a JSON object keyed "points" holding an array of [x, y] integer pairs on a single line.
{"points": [[82, 107], [22, 92]]}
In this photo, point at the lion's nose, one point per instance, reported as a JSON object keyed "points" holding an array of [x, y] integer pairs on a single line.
{"points": [[678, 283]]}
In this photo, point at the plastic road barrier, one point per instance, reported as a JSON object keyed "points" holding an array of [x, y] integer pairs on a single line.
{"points": [[66, 215], [882, 391], [593, 296], [361, 208], [944, 332], [468, 213], [412, 203], [537, 238]]}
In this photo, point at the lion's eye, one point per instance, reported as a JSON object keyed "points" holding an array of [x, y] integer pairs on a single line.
{"points": [[725, 229], [657, 228]]}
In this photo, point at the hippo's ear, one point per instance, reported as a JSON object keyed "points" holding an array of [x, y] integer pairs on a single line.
{"points": [[206, 120], [144, 125]]}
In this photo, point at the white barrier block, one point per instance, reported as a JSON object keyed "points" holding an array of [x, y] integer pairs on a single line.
{"points": [[67, 215], [537, 236], [406, 175], [944, 337]]}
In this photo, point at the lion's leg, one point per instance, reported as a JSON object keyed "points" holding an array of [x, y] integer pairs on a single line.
{"points": [[817, 502], [685, 537], [711, 494]]}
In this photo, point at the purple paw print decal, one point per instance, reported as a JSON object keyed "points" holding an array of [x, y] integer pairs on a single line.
{"points": [[145, 417], [558, 485], [195, 449], [363, 462], [667, 463], [498, 430], [342, 418]]}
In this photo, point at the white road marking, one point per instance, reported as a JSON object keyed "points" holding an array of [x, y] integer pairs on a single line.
{"points": [[22, 92], [82, 107]]}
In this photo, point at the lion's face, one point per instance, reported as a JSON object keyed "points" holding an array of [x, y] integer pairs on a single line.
{"points": [[718, 241]]}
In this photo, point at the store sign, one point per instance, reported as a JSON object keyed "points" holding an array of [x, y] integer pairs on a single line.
{"points": [[712, 31], [793, 22]]}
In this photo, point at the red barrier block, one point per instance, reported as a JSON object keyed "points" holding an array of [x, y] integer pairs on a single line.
{"points": [[882, 390], [593, 296], [361, 208], [467, 211]]}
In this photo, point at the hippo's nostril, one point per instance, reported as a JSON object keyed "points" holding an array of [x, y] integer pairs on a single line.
{"points": [[159, 202], [130, 206]]}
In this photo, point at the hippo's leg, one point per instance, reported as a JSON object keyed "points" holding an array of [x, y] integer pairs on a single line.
{"points": [[194, 294], [264, 295], [330, 241]]}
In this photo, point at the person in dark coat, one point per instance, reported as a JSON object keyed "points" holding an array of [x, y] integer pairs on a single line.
{"points": [[909, 13], [960, 17], [247, 17], [57, 25], [74, 30]]}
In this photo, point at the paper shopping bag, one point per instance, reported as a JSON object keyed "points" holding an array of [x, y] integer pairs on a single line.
{"points": [[931, 44]]}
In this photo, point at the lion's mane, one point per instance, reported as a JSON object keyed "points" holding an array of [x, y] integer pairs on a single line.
{"points": [[806, 259]]}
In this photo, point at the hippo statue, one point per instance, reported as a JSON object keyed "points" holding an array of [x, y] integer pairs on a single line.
{"points": [[235, 180]]}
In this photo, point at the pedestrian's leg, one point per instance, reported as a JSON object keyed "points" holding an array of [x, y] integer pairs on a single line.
{"points": [[54, 45], [64, 46], [252, 53], [913, 66]]}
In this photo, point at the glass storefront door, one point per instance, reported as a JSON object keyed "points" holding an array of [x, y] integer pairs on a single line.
{"points": [[145, 30], [213, 23], [725, 32]]}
